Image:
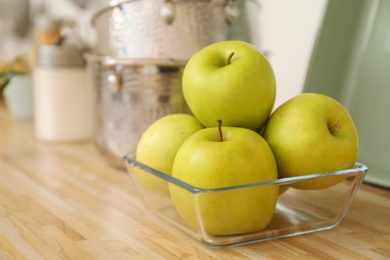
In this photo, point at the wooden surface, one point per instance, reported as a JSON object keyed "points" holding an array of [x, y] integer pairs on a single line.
{"points": [[63, 201]]}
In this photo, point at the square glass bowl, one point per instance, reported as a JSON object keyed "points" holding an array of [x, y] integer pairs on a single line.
{"points": [[297, 211]]}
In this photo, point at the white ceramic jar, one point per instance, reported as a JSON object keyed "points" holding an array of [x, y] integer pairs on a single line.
{"points": [[60, 94]]}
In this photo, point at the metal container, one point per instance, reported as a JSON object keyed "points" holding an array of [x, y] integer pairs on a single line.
{"points": [[129, 95], [141, 49], [170, 29]]}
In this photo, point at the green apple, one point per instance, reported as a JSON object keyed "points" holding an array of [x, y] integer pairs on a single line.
{"points": [[312, 133], [158, 146], [230, 80], [210, 160]]}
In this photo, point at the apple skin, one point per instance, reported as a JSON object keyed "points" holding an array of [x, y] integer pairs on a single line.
{"points": [[158, 146], [203, 161], [241, 94], [312, 133]]}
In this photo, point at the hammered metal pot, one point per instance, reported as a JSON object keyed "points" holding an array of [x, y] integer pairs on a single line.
{"points": [[170, 29], [127, 96]]}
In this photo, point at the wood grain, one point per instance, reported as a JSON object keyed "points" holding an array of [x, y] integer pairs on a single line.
{"points": [[63, 201]]}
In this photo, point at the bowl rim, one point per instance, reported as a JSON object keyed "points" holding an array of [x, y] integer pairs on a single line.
{"points": [[358, 169]]}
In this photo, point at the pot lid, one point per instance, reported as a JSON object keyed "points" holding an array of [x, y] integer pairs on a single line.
{"points": [[64, 55]]}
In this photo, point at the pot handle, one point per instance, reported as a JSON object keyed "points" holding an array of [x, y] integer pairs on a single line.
{"points": [[114, 80], [167, 12]]}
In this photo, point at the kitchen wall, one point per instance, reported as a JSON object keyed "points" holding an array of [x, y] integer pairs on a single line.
{"points": [[288, 31]]}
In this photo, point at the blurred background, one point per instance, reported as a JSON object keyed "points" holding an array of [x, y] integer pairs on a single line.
{"points": [[336, 47], [285, 31]]}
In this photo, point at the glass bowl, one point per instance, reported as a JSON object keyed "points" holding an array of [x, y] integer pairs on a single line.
{"points": [[297, 211]]}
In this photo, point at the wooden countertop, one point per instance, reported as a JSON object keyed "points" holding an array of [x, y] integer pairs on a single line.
{"points": [[63, 201]]}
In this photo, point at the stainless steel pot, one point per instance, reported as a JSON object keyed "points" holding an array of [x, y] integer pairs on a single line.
{"points": [[170, 29], [127, 96]]}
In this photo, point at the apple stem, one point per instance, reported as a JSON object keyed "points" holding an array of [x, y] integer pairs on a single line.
{"points": [[229, 58], [219, 121], [332, 128], [335, 126]]}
